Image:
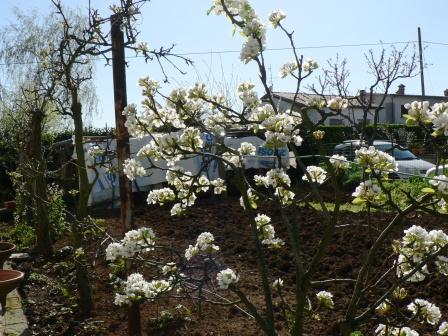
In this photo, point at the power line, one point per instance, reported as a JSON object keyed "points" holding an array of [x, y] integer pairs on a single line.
{"points": [[220, 52], [300, 48], [436, 43]]}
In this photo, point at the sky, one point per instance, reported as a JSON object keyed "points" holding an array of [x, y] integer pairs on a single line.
{"points": [[322, 29]]}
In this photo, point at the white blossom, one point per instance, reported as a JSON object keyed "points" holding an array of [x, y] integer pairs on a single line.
{"points": [[246, 148], [134, 241], [219, 186], [248, 95], [325, 298], [169, 268], [250, 50], [177, 209], [439, 117], [339, 162], [226, 278], [317, 103], [191, 251], [337, 103], [161, 196], [204, 243], [317, 174], [425, 311], [310, 65], [252, 197], [441, 182], [443, 329], [383, 330], [418, 111], [278, 283], [274, 178], [383, 308], [95, 151], [276, 17], [133, 168], [367, 191], [375, 159], [288, 69]]}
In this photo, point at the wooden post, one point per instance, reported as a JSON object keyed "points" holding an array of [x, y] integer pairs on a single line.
{"points": [[121, 132], [420, 52], [123, 148]]}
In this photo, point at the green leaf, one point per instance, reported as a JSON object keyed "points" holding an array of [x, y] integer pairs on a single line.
{"points": [[358, 201], [356, 333], [253, 204], [409, 120], [428, 190], [437, 133]]}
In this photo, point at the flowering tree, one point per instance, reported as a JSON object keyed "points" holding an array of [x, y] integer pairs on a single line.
{"points": [[419, 254]]}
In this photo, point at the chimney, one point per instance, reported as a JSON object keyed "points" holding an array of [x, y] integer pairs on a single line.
{"points": [[362, 95], [400, 90], [445, 93]]}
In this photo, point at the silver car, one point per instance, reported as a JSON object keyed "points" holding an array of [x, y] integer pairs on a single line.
{"points": [[408, 163]]}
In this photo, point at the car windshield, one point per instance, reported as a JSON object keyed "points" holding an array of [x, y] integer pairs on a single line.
{"points": [[398, 153]]}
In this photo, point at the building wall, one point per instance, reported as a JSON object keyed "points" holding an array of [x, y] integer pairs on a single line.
{"points": [[392, 112], [355, 115], [394, 106]]}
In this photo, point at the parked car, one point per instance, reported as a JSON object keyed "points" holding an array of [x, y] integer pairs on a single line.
{"points": [[408, 163], [441, 170]]}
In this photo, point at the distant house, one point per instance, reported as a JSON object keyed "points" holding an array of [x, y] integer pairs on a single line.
{"points": [[391, 112]]}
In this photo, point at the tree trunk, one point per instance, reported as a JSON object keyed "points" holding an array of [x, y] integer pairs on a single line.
{"points": [[39, 187], [82, 272]]}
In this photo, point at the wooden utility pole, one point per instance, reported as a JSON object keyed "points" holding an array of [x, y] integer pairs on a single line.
{"points": [[420, 54], [121, 132], [123, 148]]}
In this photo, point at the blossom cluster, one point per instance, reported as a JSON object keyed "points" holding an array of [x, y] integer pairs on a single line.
{"points": [[278, 283], [317, 174], [368, 191], [204, 244], [425, 311], [326, 299], [134, 241], [280, 128], [289, 68], [133, 168], [226, 278], [337, 104], [422, 112], [276, 17], [252, 199], [267, 232], [186, 186], [136, 289], [383, 330], [181, 105], [248, 95], [339, 162], [417, 244], [418, 111], [95, 151], [279, 180], [379, 161], [441, 182], [244, 16]]}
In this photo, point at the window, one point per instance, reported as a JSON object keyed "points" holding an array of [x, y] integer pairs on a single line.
{"points": [[335, 121], [404, 110], [368, 121]]}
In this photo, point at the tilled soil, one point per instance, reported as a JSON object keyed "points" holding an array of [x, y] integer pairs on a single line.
{"points": [[50, 291]]}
